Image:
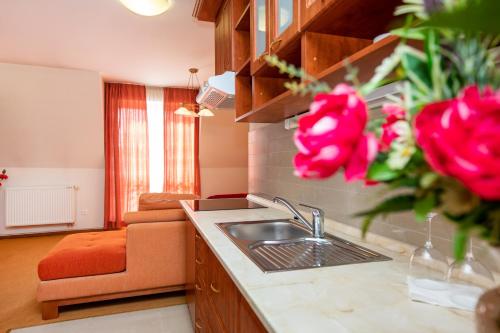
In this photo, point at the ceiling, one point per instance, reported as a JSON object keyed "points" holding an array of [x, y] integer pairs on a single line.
{"points": [[104, 36]]}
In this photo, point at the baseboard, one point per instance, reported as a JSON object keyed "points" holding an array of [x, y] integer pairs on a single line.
{"points": [[51, 233]]}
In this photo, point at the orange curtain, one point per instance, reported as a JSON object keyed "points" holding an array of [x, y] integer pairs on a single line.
{"points": [[126, 149], [182, 166]]}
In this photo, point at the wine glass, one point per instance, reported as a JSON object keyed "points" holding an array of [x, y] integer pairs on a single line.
{"points": [[470, 279], [470, 271], [428, 266]]}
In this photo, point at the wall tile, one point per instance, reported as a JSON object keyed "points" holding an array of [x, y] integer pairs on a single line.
{"points": [[271, 172]]}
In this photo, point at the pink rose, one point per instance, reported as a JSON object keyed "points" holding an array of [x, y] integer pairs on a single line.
{"points": [[363, 156], [394, 114], [461, 139], [327, 137]]}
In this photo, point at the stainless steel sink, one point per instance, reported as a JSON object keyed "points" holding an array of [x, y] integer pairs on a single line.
{"points": [[283, 245], [278, 230]]}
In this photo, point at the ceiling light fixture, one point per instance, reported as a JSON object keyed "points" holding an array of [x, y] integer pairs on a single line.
{"points": [[204, 112], [147, 7], [191, 109]]}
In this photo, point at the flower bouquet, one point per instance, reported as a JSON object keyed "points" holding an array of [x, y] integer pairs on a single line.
{"points": [[3, 176], [438, 146]]}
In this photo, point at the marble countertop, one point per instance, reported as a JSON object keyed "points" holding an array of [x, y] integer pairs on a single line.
{"points": [[368, 297]]}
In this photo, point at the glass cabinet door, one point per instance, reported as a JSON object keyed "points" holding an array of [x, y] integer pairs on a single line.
{"points": [[260, 27], [284, 15]]}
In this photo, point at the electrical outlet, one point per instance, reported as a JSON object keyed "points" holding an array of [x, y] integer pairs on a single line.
{"points": [[84, 212]]}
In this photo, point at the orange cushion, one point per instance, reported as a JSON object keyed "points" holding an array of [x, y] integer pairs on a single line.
{"points": [[84, 254]]}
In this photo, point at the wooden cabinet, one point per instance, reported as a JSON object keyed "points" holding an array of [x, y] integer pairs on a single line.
{"points": [[224, 39], [214, 301], [273, 24], [284, 24], [309, 9], [259, 33], [316, 35]]}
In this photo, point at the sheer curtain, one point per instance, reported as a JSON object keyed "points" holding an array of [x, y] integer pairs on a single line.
{"points": [[182, 166], [126, 149], [154, 100]]}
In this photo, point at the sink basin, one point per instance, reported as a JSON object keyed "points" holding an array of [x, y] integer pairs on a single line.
{"points": [[283, 245], [260, 231]]}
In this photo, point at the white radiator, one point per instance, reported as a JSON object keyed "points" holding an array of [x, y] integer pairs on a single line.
{"points": [[30, 206]]}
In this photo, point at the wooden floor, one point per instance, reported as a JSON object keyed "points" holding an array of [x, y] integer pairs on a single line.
{"points": [[18, 282]]}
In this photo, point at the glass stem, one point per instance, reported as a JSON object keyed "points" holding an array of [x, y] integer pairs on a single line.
{"points": [[428, 243]]}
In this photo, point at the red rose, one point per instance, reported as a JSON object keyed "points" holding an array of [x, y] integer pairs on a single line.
{"points": [[363, 156], [327, 137], [461, 139]]}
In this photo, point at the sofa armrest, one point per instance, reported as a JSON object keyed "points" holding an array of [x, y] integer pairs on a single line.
{"points": [[161, 215], [153, 201], [156, 253]]}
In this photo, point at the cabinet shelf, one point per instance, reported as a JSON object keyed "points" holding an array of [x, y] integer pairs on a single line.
{"points": [[286, 104], [244, 69], [243, 23]]}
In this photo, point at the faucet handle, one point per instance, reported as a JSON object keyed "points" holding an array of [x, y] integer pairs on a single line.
{"points": [[315, 210]]}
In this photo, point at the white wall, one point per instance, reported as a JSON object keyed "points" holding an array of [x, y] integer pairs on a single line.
{"points": [[52, 133]]}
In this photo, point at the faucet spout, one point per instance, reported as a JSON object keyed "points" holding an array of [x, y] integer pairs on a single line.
{"points": [[317, 225], [295, 212]]}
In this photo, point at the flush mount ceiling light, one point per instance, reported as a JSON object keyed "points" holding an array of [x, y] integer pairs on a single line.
{"points": [[191, 109], [147, 7]]}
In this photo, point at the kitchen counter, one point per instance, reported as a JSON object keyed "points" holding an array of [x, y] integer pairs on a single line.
{"points": [[368, 297]]}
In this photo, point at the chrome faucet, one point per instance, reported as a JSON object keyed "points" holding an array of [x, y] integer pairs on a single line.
{"points": [[318, 217]]}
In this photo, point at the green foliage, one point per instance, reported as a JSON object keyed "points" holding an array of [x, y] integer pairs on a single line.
{"points": [[460, 244], [380, 172], [471, 16], [307, 85], [424, 205], [395, 204]]}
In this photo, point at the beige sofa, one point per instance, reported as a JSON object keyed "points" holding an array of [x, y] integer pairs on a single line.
{"points": [[146, 257]]}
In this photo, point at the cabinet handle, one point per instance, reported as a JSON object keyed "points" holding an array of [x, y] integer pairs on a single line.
{"points": [[275, 43], [215, 290], [198, 326], [199, 262], [197, 287]]}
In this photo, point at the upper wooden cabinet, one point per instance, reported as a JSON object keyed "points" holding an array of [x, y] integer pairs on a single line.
{"points": [[224, 39], [206, 10], [273, 24], [259, 32], [284, 23], [316, 35], [309, 9]]}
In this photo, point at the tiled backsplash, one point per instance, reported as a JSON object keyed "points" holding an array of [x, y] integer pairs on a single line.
{"points": [[271, 151]]}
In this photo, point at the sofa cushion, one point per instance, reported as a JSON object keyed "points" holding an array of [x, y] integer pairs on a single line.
{"points": [[161, 215], [84, 254]]}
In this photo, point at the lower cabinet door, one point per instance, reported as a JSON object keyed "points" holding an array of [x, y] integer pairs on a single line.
{"points": [[219, 306], [223, 294], [215, 324], [247, 319]]}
